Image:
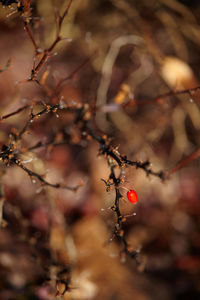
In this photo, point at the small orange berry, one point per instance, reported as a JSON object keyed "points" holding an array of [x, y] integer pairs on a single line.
{"points": [[132, 196]]}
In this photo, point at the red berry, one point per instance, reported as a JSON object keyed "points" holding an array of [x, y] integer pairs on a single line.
{"points": [[132, 196]]}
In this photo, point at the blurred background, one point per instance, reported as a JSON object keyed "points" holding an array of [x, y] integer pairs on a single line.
{"points": [[128, 55]]}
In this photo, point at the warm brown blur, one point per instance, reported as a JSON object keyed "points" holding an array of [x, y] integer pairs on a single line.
{"points": [[124, 62]]}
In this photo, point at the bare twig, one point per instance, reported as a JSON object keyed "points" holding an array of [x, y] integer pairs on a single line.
{"points": [[42, 180], [184, 162], [14, 112], [141, 102], [47, 109], [47, 51], [109, 150], [71, 75], [118, 230], [28, 30], [61, 18], [40, 144]]}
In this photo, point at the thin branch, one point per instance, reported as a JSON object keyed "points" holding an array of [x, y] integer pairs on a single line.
{"points": [[71, 75], [48, 51], [61, 18], [42, 180], [107, 149], [185, 161], [40, 144], [28, 30], [145, 166], [14, 112], [47, 109], [118, 231], [165, 95]]}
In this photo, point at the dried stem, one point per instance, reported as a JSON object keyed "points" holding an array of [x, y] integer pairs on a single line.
{"points": [[42, 180], [190, 92], [185, 161], [28, 30], [14, 112], [109, 150], [61, 18], [47, 109], [9, 154], [71, 75], [114, 158], [47, 52], [118, 231]]}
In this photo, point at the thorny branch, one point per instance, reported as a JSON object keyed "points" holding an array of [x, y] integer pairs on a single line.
{"points": [[119, 232], [47, 52], [10, 153], [41, 179], [122, 161], [113, 156], [9, 156]]}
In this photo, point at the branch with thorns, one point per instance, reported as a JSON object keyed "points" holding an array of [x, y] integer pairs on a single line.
{"points": [[117, 160], [47, 52], [10, 153], [10, 156]]}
